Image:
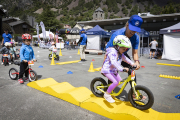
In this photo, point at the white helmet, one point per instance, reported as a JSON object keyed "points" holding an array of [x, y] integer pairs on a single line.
{"points": [[7, 44], [122, 41]]}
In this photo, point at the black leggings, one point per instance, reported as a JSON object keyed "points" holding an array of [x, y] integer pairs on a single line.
{"points": [[124, 64], [23, 69]]}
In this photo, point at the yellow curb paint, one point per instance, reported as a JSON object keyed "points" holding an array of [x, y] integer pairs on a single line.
{"points": [[168, 64], [69, 62], [84, 98]]}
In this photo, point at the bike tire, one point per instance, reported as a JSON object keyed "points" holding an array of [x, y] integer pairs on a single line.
{"points": [[57, 57], [50, 56], [93, 88], [142, 106], [5, 61], [33, 76], [15, 77]]}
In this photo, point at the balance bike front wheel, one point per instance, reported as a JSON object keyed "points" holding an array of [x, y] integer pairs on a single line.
{"points": [[98, 82], [57, 57], [50, 56], [146, 98], [32, 76], [13, 74]]}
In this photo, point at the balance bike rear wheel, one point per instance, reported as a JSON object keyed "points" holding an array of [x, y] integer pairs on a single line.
{"points": [[98, 82], [32, 76], [14, 76], [5, 61], [147, 98]]}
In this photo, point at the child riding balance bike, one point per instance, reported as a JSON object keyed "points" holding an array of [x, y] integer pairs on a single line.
{"points": [[7, 56], [53, 50], [110, 68]]}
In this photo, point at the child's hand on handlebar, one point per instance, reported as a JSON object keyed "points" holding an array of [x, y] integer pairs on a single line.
{"points": [[25, 61]]}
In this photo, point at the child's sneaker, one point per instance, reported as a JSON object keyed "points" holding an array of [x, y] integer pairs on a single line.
{"points": [[21, 81], [9, 63], [109, 98], [2, 63]]}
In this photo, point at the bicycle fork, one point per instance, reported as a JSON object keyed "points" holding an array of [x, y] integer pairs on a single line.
{"points": [[136, 93]]}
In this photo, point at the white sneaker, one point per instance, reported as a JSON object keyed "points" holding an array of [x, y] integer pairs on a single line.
{"points": [[109, 98], [2, 63], [9, 63]]}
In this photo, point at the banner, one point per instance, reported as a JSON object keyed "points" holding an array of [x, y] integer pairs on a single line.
{"points": [[56, 37], [43, 30], [37, 28], [49, 34]]}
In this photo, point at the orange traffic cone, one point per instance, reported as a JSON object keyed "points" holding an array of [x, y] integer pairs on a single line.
{"points": [[52, 61], [91, 69]]}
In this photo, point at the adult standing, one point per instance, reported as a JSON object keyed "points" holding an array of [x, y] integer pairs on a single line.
{"points": [[83, 42], [6, 37], [132, 26], [153, 44], [67, 43]]}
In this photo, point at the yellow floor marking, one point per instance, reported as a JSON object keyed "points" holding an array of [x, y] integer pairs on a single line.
{"points": [[168, 64], [68, 62], [170, 77], [98, 69]]}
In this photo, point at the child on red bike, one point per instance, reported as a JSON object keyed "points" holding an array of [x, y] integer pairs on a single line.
{"points": [[6, 50], [26, 54], [111, 65], [13, 50]]}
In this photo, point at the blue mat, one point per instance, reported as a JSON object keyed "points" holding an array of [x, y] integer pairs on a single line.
{"points": [[69, 72]]}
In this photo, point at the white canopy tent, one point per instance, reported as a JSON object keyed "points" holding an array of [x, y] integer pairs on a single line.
{"points": [[48, 34], [171, 42]]}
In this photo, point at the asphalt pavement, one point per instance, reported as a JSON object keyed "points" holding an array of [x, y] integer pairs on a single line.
{"points": [[19, 102]]}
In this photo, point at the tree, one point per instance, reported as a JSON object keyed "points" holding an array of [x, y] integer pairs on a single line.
{"points": [[134, 10], [49, 19], [24, 18], [156, 10], [119, 1]]}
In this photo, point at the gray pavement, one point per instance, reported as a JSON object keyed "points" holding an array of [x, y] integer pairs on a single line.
{"points": [[19, 102]]}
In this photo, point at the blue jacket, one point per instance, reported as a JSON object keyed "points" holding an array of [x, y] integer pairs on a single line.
{"points": [[26, 53], [84, 39]]}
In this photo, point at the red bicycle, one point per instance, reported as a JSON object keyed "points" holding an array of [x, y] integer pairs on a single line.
{"points": [[13, 72]]}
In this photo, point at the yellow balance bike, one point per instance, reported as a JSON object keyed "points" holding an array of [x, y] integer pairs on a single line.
{"points": [[139, 96]]}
